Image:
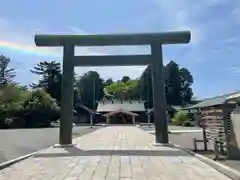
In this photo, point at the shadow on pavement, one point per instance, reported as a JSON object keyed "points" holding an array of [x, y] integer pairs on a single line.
{"points": [[74, 151]]}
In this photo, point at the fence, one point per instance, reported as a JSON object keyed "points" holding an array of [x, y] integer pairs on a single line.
{"points": [[218, 128]]}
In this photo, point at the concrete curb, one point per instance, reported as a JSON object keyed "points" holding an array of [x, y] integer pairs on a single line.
{"points": [[169, 132], [16, 160], [175, 132], [95, 125], [226, 170], [13, 161], [230, 172]]}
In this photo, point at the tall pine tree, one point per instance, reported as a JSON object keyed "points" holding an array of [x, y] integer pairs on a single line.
{"points": [[51, 78], [6, 74]]}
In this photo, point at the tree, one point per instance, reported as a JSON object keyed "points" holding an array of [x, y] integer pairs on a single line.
{"points": [[118, 89], [128, 90], [12, 98], [51, 78], [125, 79], [90, 87], [40, 109], [145, 86], [108, 82], [178, 83], [6, 74], [186, 82], [133, 90], [24, 108], [173, 83]]}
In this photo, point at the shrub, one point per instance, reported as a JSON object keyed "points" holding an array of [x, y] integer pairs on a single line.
{"points": [[180, 118], [40, 109], [12, 98], [188, 123]]}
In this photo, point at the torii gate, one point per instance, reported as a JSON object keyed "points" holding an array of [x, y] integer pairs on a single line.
{"points": [[155, 40]]}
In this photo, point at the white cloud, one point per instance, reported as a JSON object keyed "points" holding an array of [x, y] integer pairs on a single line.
{"points": [[189, 15], [9, 32], [24, 36], [180, 16], [185, 15], [234, 70], [111, 72], [77, 30], [104, 50], [115, 72], [214, 2], [236, 11]]}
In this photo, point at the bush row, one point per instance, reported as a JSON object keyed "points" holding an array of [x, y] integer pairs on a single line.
{"points": [[24, 108], [181, 119]]}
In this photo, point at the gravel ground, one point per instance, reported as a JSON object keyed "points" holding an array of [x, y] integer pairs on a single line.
{"points": [[181, 138], [185, 140], [19, 142]]}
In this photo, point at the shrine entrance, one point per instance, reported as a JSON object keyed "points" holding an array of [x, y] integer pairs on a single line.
{"points": [[155, 60], [120, 117]]}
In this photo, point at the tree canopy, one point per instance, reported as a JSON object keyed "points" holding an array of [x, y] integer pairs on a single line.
{"points": [[50, 78], [6, 74], [178, 83], [40, 105], [124, 89], [90, 88]]}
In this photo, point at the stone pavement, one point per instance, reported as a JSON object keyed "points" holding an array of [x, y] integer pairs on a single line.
{"points": [[112, 153]]}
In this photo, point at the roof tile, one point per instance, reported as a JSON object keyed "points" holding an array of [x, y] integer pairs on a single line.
{"points": [[134, 106]]}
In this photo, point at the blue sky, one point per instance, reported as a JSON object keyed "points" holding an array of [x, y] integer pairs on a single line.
{"points": [[212, 56]]}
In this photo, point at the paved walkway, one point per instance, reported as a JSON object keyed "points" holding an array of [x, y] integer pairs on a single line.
{"points": [[112, 153]]}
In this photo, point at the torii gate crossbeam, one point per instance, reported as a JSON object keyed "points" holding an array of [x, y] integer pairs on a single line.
{"points": [[155, 40]]}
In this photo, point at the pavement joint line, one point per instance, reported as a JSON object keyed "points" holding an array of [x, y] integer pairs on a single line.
{"points": [[21, 158], [226, 170]]}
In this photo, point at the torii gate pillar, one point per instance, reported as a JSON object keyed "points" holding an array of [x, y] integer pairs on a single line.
{"points": [[155, 40]]}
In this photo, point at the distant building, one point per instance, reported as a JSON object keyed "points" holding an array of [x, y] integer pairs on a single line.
{"points": [[150, 114], [224, 102], [122, 112], [83, 114], [218, 101]]}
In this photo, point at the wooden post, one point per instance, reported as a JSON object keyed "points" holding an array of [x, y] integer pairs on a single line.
{"points": [[66, 119], [91, 120], [159, 102], [195, 144], [133, 119], [149, 119], [204, 137], [226, 122], [216, 149]]}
